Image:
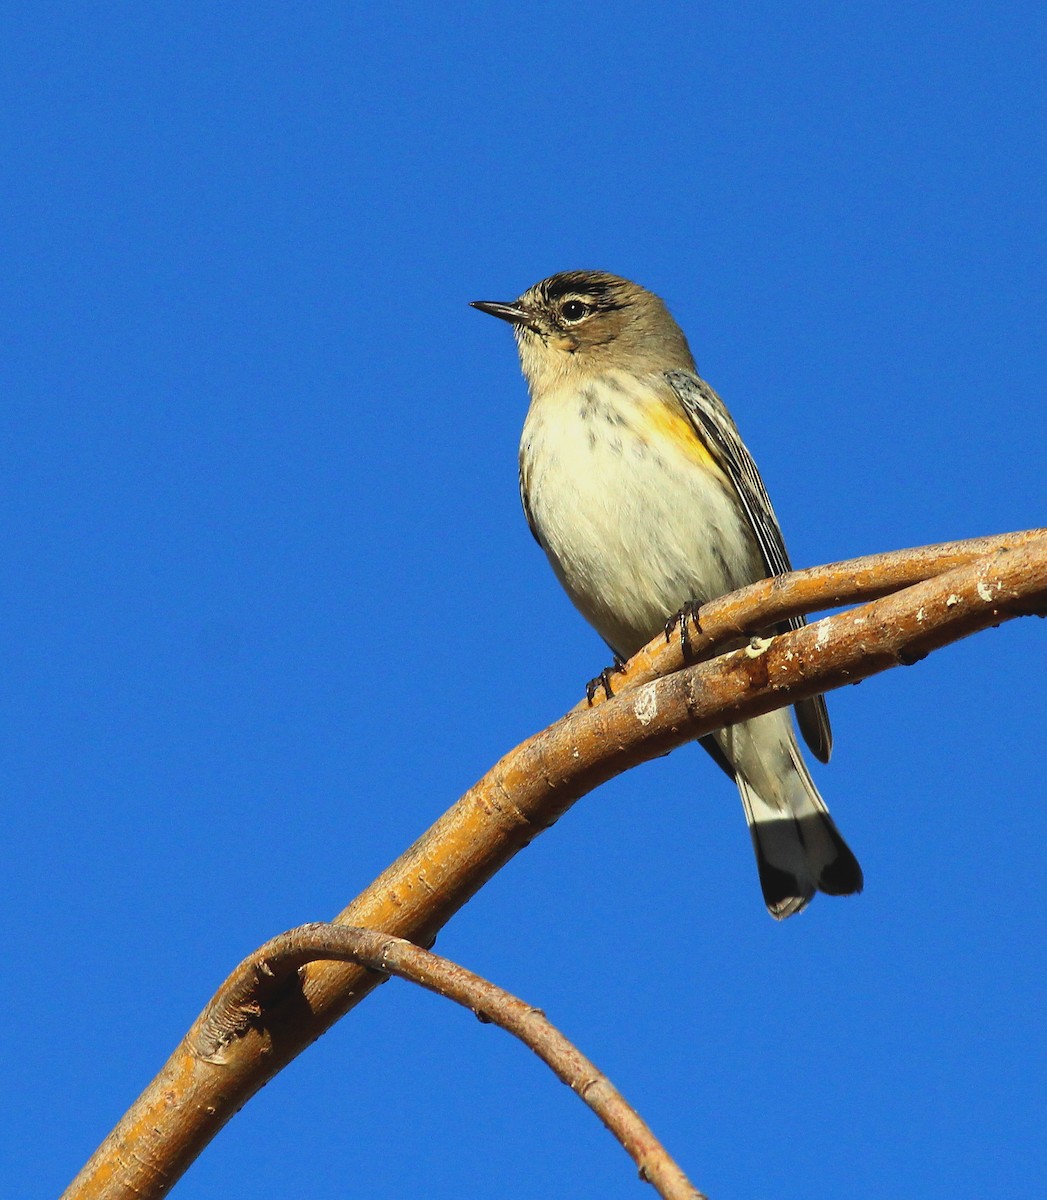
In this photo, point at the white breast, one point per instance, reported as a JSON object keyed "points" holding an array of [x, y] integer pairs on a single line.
{"points": [[633, 527]]}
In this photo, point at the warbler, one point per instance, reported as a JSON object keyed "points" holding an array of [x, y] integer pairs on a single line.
{"points": [[637, 485]]}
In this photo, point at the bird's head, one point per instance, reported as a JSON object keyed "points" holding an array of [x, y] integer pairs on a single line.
{"points": [[580, 323]]}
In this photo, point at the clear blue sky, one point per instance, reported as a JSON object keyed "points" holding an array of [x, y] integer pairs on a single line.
{"points": [[251, 428]]}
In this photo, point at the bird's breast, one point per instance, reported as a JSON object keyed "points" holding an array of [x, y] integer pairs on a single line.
{"points": [[630, 506]]}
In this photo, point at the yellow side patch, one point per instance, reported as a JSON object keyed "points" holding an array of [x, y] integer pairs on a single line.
{"points": [[669, 423]]}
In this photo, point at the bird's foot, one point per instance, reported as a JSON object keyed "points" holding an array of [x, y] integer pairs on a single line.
{"points": [[603, 680], [682, 621]]}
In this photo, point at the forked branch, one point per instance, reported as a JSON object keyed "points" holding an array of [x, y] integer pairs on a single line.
{"points": [[275, 965], [927, 598]]}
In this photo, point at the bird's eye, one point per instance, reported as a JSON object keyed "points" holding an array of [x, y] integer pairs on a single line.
{"points": [[574, 310]]}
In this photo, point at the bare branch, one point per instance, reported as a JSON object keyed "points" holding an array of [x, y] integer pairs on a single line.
{"points": [[761, 606], [221, 1063], [273, 968]]}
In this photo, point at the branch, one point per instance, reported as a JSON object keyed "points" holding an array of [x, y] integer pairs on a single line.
{"points": [[761, 606], [245, 995], [224, 1058]]}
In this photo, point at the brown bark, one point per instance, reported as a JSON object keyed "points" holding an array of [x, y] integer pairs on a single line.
{"points": [[229, 1053], [274, 965]]}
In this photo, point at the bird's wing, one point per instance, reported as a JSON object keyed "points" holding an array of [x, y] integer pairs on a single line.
{"points": [[714, 425], [531, 524]]}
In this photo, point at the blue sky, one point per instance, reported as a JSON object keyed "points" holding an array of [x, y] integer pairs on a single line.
{"points": [[252, 430]]}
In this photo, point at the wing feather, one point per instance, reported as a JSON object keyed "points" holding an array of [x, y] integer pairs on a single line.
{"points": [[715, 426]]}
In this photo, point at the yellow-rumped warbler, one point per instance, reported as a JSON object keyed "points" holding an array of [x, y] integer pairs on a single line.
{"points": [[638, 487]]}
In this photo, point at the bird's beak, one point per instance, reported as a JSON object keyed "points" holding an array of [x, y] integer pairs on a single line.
{"points": [[511, 312]]}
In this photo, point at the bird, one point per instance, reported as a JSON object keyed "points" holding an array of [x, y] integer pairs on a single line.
{"points": [[637, 485]]}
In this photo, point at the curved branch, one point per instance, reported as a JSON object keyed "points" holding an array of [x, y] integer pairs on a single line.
{"points": [[763, 605], [220, 1063], [244, 996]]}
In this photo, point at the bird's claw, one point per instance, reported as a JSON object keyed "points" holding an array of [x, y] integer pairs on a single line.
{"points": [[682, 621], [603, 680]]}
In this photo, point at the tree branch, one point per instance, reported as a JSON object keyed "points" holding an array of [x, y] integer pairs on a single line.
{"points": [[244, 997], [225, 1057], [761, 606]]}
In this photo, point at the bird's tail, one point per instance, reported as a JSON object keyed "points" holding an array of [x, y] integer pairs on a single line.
{"points": [[799, 850]]}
